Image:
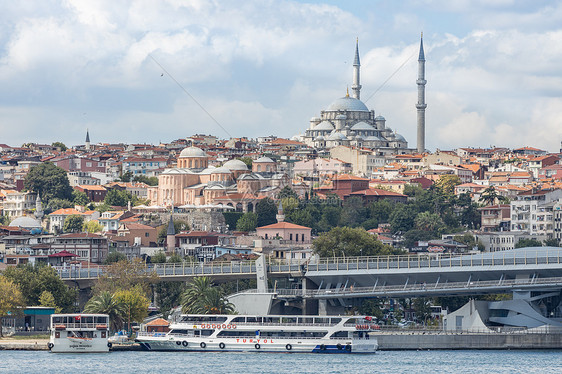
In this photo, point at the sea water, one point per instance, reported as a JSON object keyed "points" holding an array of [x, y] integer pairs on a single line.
{"points": [[488, 362]]}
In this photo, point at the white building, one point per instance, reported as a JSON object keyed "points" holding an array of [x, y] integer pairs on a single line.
{"points": [[532, 211]]}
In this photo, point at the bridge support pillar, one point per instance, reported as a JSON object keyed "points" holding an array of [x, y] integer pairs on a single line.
{"points": [[309, 306]]}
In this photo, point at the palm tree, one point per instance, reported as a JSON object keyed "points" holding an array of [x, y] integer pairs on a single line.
{"points": [[107, 303], [202, 297], [490, 195]]}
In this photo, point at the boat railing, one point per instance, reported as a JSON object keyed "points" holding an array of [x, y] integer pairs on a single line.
{"points": [[79, 325]]}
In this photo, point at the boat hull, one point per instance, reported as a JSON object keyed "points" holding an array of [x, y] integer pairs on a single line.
{"points": [[73, 345]]}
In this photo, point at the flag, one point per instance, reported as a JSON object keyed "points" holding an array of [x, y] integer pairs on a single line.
{"points": [[368, 318], [77, 318]]}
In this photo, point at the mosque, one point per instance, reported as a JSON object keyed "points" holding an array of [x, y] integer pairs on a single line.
{"points": [[194, 183], [348, 122]]}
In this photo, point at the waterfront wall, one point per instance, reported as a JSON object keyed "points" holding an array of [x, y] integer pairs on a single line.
{"points": [[415, 341]]}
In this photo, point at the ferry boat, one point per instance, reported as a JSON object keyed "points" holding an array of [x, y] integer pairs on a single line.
{"points": [[85, 333], [246, 333]]}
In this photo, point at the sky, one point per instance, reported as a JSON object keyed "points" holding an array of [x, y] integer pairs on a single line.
{"points": [[145, 71]]}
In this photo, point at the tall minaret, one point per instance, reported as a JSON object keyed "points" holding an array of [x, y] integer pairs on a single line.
{"points": [[421, 105], [356, 87], [87, 144]]}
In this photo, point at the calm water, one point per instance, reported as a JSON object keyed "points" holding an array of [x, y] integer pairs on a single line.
{"points": [[210, 363]]}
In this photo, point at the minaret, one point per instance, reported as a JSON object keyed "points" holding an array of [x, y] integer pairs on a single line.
{"points": [[87, 144], [38, 208], [421, 105], [171, 235], [280, 215], [356, 87]]}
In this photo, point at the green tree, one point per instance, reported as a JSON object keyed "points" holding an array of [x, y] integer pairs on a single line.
{"points": [[248, 222], [175, 258], [158, 258], [47, 299], [60, 145], [372, 307], [490, 195], [11, 299], [56, 204], [381, 210], [73, 223], [522, 243], [353, 212], [247, 160], [126, 177], [124, 275], [427, 221], [552, 242], [231, 218], [135, 304], [346, 242], [33, 280], [402, 218], [113, 257], [80, 198], [422, 308], [168, 295], [4, 220], [49, 181], [287, 192], [92, 227], [202, 297], [330, 218], [116, 197], [151, 181], [266, 211], [447, 183], [108, 303]]}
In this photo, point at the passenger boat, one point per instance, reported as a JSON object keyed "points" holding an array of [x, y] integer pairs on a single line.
{"points": [[244, 333], [84, 333]]}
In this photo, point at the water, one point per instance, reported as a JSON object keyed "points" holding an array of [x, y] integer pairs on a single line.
{"points": [[488, 362]]}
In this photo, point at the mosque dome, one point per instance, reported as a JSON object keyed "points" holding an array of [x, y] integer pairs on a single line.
{"points": [[192, 152], [336, 136], [319, 138], [341, 117], [264, 160], [220, 170], [348, 103], [399, 137], [362, 126], [235, 165], [26, 223], [324, 125], [380, 118]]}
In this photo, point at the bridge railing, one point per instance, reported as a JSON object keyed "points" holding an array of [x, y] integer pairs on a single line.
{"points": [[415, 288], [434, 260]]}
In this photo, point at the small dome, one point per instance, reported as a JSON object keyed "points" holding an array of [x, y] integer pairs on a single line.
{"points": [[26, 223], [235, 165], [348, 103], [193, 152], [324, 125], [362, 126], [319, 138], [264, 160], [220, 170], [341, 116], [380, 118], [373, 139], [399, 137], [336, 136]]}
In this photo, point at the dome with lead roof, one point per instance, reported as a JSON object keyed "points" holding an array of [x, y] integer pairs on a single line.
{"points": [[192, 152], [361, 126], [348, 103], [235, 165], [26, 223], [324, 125]]}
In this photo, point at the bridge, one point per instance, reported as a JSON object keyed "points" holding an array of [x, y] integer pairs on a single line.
{"points": [[379, 276]]}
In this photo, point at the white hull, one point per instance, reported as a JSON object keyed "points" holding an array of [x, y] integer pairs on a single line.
{"points": [[71, 345], [257, 345]]}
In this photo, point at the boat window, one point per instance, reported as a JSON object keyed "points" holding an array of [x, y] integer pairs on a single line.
{"points": [[335, 321], [58, 320], [307, 320], [271, 320], [87, 319], [253, 319], [288, 319], [237, 334], [207, 332], [101, 319], [178, 332], [201, 319], [339, 334], [239, 320], [323, 321]]}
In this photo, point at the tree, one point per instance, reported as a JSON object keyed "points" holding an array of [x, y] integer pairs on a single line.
{"points": [[135, 304], [49, 181], [92, 227], [126, 177], [247, 160], [168, 295], [116, 197], [11, 299], [422, 308], [248, 222], [73, 223], [381, 210], [56, 204], [266, 211], [4, 220], [552, 242], [202, 297], [80, 198], [353, 212], [124, 275], [346, 241], [447, 183], [427, 221], [33, 280], [158, 258], [175, 258], [151, 181], [113, 257], [60, 145], [287, 192], [490, 195], [402, 218], [47, 299], [522, 243], [107, 303]]}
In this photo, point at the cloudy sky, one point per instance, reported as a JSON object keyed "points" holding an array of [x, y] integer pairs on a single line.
{"points": [[262, 67]]}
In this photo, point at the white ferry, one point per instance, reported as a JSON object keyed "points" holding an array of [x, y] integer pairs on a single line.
{"points": [[304, 334], [87, 333]]}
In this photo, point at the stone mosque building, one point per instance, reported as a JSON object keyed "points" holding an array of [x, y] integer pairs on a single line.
{"points": [[348, 122], [194, 183]]}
